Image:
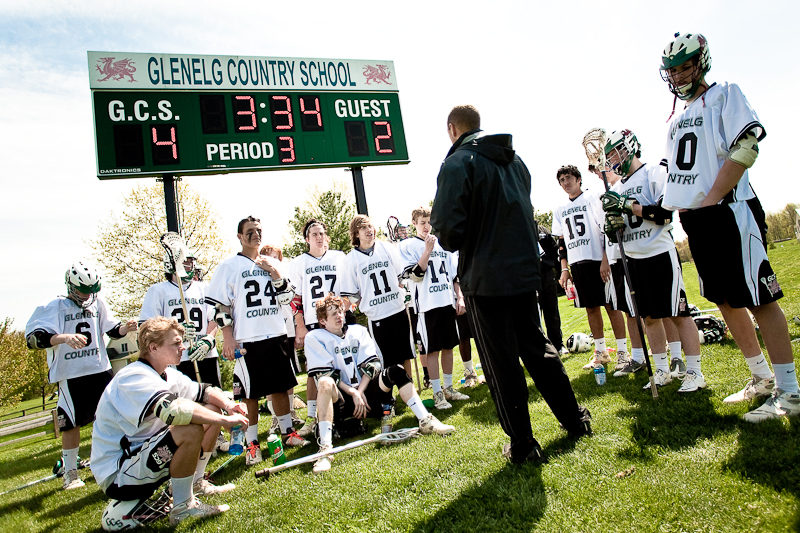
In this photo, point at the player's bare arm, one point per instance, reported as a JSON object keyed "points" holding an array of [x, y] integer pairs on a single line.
{"points": [[460, 305], [729, 175], [362, 407], [605, 268]]}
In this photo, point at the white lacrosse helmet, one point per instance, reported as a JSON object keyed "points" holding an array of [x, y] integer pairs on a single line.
{"points": [[128, 514], [82, 279], [694, 47], [189, 266], [625, 144], [579, 342]]}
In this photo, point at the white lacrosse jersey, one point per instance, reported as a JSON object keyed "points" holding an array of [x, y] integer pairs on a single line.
{"points": [[699, 141], [239, 283], [326, 351], [62, 315], [125, 411], [164, 299], [644, 238], [436, 288], [580, 223], [314, 278], [374, 277]]}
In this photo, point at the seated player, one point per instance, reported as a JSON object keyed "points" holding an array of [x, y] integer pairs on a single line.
{"points": [[350, 383], [432, 271], [153, 423], [71, 329]]}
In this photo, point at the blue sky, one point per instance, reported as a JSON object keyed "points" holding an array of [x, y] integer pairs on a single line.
{"points": [[544, 73]]}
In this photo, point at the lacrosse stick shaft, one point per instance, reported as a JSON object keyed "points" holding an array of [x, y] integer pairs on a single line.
{"points": [[186, 314], [219, 469], [81, 464], [635, 310], [416, 359]]}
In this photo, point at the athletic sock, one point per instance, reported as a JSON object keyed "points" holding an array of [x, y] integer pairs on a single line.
{"points": [[675, 350], [448, 380], [662, 361], [786, 377], [425, 372], [201, 466], [70, 459], [269, 406], [415, 404], [468, 367], [638, 355], [693, 364], [436, 384], [758, 366], [251, 433], [182, 489], [600, 345], [312, 408], [285, 422], [622, 345], [325, 432]]}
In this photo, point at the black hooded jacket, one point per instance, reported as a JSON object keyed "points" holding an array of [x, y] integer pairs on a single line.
{"points": [[483, 209]]}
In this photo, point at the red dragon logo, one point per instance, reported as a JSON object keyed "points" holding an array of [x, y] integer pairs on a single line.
{"points": [[378, 74], [115, 70]]}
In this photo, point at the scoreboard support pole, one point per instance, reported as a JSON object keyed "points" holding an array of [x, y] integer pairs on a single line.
{"points": [[361, 197], [170, 201]]}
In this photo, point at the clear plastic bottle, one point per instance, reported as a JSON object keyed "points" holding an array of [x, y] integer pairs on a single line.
{"points": [[237, 441], [386, 420], [600, 374]]}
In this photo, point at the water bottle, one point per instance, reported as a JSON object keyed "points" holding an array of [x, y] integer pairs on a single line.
{"points": [[570, 290], [238, 352], [600, 374], [386, 420], [275, 447], [237, 441]]}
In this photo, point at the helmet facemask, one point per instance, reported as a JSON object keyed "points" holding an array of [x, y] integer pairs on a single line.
{"points": [[188, 265], [622, 147], [685, 84]]}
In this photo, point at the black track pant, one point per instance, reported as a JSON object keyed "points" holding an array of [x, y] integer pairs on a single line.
{"points": [[548, 301], [507, 329]]}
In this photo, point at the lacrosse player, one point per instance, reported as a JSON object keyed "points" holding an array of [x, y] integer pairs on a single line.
{"points": [[71, 328], [578, 227], [248, 291], [371, 277], [314, 274], [633, 204], [436, 293], [153, 423], [350, 382], [711, 144]]}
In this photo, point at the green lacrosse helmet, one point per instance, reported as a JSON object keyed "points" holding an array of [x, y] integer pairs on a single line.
{"points": [[690, 47], [626, 145]]}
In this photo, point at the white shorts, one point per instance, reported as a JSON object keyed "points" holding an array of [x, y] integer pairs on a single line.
{"points": [[143, 469]]}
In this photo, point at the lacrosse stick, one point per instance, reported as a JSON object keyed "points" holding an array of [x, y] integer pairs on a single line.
{"points": [[414, 344], [594, 142], [394, 437], [391, 226], [221, 467], [58, 471], [177, 252]]}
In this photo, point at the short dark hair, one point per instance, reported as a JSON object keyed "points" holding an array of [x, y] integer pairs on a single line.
{"points": [[245, 221], [465, 118], [570, 170], [313, 222]]}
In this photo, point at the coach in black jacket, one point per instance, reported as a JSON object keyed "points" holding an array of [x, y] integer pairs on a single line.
{"points": [[483, 209]]}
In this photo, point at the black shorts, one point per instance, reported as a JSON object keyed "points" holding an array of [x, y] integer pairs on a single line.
{"points": [[376, 398], [265, 369], [437, 329], [730, 255], [658, 285], [589, 285], [464, 331], [78, 399], [142, 470], [209, 371], [393, 338]]}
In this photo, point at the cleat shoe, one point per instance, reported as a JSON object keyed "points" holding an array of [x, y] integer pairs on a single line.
{"points": [[430, 425], [692, 382], [439, 400], [470, 379], [599, 358], [72, 480], [323, 464], [274, 426], [252, 453], [194, 508], [630, 367], [451, 394], [677, 368], [205, 487], [308, 428], [622, 359], [293, 439], [780, 403], [296, 420], [563, 351], [535, 456], [757, 387], [298, 403], [661, 378], [223, 444]]}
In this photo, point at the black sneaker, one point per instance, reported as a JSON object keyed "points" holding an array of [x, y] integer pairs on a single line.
{"points": [[535, 455]]}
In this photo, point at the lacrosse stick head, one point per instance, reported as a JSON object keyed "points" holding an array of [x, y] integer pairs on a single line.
{"points": [[594, 142], [396, 437], [128, 514], [175, 255], [391, 226]]}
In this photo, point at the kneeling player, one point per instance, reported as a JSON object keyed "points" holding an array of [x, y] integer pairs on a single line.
{"points": [[152, 424], [350, 382]]}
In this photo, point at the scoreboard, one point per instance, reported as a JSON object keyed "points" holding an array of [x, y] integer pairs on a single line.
{"points": [[186, 115]]}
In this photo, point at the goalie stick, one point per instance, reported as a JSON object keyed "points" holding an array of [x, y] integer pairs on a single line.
{"points": [[175, 247], [394, 437], [57, 473], [594, 142]]}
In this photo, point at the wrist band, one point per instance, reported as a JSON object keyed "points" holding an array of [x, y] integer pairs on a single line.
{"points": [[564, 270]]}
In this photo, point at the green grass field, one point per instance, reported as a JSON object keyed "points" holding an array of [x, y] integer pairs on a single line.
{"points": [[682, 463]]}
